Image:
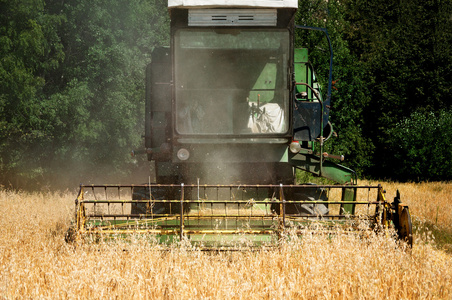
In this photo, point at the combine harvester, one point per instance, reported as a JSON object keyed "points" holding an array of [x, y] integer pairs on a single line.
{"points": [[232, 111]]}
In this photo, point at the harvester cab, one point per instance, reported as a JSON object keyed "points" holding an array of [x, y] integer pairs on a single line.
{"points": [[232, 110]]}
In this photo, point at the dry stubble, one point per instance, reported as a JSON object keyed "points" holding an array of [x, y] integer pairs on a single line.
{"points": [[35, 262]]}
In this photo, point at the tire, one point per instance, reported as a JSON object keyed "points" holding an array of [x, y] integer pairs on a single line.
{"points": [[405, 229]]}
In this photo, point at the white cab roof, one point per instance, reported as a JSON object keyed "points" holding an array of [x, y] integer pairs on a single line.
{"points": [[233, 3]]}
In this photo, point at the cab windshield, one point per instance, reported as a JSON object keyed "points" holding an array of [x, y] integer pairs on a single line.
{"points": [[231, 81]]}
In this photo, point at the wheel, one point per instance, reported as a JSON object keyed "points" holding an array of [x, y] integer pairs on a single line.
{"points": [[406, 227]]}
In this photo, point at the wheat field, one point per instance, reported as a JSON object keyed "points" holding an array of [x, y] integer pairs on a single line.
{"points": [[36, 263]]}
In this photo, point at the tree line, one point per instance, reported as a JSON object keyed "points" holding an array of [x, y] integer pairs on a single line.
{"points": [[72, 85], [391, 102]]}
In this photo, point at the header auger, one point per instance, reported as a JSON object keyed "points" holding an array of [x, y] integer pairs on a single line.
{"points": [[232, 110]]}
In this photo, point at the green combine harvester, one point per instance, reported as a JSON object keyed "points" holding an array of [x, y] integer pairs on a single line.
{"points": [[232, 111]]}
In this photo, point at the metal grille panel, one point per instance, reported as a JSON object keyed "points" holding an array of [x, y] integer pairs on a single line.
{"points": [[232, 17]]}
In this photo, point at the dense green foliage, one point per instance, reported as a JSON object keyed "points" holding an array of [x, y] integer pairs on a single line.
{"points": [[72, 85], [405, 48], [391, 60], [420, 148]]}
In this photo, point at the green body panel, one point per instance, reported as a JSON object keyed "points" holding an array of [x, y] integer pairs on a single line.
{"points": [[330, 170], [348, 194], [302, 72]]}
